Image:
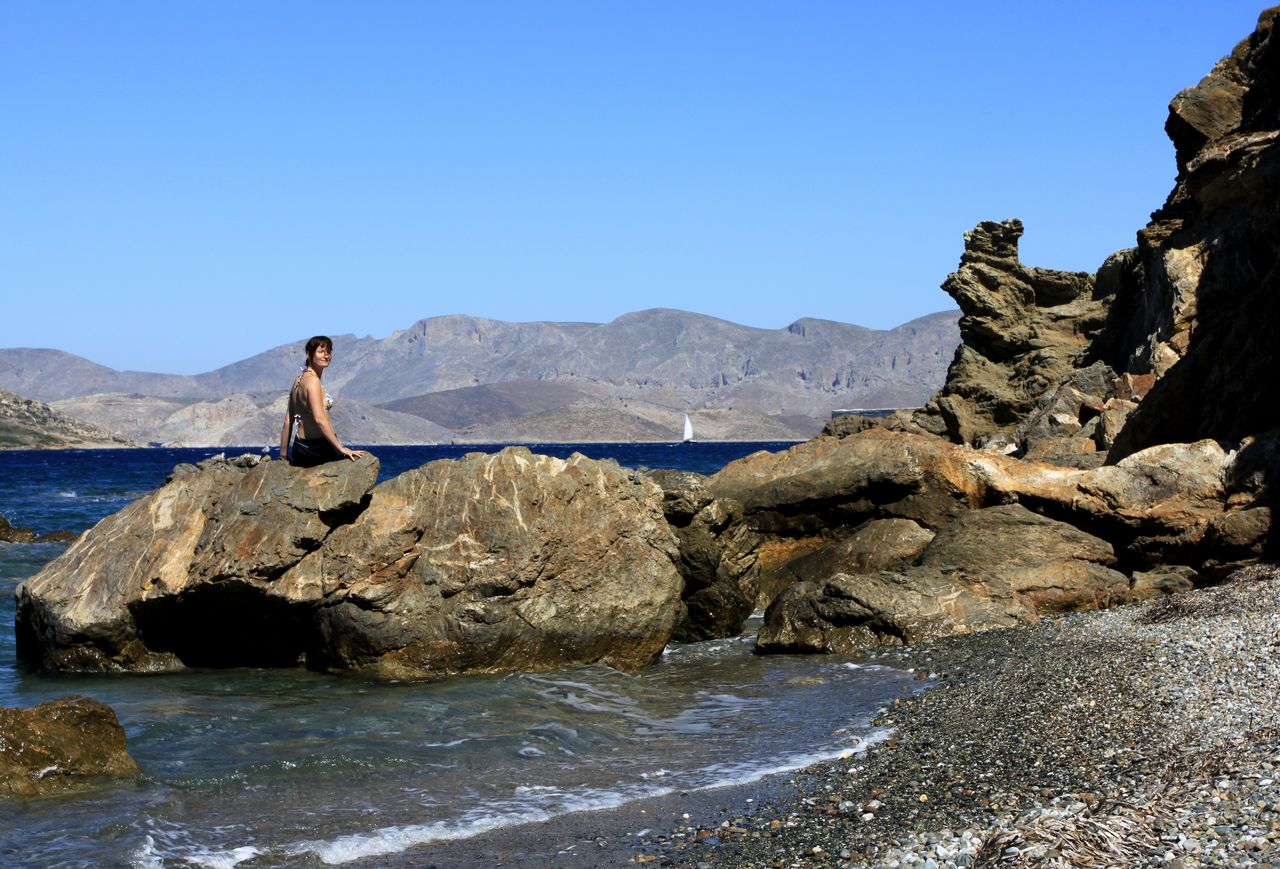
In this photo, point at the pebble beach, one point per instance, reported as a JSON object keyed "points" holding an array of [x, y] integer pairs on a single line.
{"points": [[1144, 735]]}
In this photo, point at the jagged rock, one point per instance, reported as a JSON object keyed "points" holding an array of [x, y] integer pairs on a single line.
{"points": [[717, 557], [1186, 317], [489, 563], [59, 746], [1062, 428], [1202, 302], [1115, 414], [1023, 330], [879, 544]]}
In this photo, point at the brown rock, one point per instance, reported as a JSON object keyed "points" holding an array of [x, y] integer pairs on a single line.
{"points": [[1115, 414], [1209, 110], [1166, 579], [847, 424], [9, 534], [60, 746], [1027, 561], [847, 614], [1063, 424], [989, 568], [827, 485], [1154, 507], [1202, 303], [879, 544]]}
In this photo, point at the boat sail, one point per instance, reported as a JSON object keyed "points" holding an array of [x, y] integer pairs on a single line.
{"points": [[688, 430]]}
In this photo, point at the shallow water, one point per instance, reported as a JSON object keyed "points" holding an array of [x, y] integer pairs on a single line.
{"points": [[298, 768]]}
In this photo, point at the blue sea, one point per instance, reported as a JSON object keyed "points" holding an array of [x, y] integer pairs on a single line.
{"points": [[292, 768]]}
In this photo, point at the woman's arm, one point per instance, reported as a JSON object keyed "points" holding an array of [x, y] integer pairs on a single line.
{"points": [[315, 400], [286, 431]]}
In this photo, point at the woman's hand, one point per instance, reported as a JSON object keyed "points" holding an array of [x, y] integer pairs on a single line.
{"points": [[352, 454]]}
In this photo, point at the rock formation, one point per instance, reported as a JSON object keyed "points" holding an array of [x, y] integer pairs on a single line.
{"points": [[60, 746], [1145, 391], [495, 563], [974, 526], [490, 563], [1022, 330]]}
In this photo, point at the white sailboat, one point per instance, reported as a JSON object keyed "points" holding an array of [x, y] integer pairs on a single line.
{"points": [[688, 430]]}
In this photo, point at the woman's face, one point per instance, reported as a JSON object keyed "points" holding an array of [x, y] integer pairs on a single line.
{"points": [[321, 358]]}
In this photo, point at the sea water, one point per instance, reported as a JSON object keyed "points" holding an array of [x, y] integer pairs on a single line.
{"points": [[288, 767]]}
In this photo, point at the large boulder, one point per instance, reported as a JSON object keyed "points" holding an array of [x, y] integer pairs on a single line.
{"points": [[496, 563], [823, 487], [1031, 563], [490, 563], [989, 568], [190, 567], [846, 614], [60, 746]]}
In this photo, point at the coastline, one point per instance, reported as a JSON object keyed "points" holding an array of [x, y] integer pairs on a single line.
{"points": [[1141, 735]]}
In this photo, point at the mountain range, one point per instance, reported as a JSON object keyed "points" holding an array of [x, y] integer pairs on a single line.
{"points": [[468, 379]]}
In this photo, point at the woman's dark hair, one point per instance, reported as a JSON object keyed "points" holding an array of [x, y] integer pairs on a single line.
{"points": [[317, 342]]}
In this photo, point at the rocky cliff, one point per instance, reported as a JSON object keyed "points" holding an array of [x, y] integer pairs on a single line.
{"points": [[1198, 301], [1187, 314]]}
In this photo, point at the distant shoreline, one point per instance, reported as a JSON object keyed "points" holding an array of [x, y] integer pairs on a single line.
{"points": [[258, 448]]}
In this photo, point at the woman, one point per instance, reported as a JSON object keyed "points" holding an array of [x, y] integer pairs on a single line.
{"points": [[308, 414]]}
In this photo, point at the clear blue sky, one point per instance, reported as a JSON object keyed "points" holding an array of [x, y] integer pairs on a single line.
{"points": [[186, 184]]}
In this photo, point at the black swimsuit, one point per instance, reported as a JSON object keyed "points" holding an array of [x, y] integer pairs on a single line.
{"points": [[309, 452]]}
